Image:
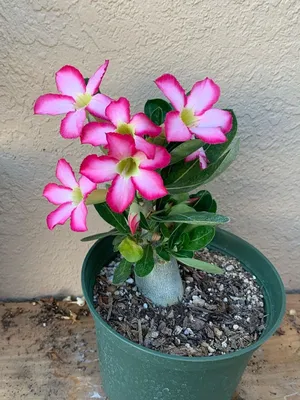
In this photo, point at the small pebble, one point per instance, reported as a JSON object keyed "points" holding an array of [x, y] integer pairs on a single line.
{"points": [[44, 324], [34, 303], [154, 334], [293, 312], [221, 288], [177, 341], [130, 281], [229, 268], [218, 333], [225, 300], [188, 331], [235, 327], [145, 306], [177, 330]]}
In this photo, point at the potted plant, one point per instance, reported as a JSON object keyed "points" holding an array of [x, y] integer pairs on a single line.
{"points": [[171, 322]]}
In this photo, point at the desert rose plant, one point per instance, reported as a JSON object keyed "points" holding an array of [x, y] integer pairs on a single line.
{"points": [[151, 164]]}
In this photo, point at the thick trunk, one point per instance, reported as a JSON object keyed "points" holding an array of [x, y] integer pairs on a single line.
{"points": [[163, 286]]}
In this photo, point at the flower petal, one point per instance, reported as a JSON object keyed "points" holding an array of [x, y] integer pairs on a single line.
{"points": [[94, 133], [71, 126], [176, 130], [210, 135], [200, 154], [149, 184], [133, 222], [142, 145], [144, 126], [65, 174], [53, 104], [118, 112], [121, 194], [216, 118], [120, 146], [97, 105], [95, 81], [60, 215], [203, 96], [78, 218], [161, 159], [99, 169], [69, 81], [86, 186], [57, 194], [172, 89]]}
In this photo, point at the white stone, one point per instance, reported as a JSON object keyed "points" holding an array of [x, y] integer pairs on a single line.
{"points": [[130, 281], [235, 327], [229, 268]]}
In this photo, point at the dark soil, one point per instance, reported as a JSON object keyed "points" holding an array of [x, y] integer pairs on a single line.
{"points": [[219, 314]]}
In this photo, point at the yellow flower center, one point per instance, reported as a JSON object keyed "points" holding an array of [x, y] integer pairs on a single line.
{"points": [[77, 196], [128, 167], [187, 116], [125, 129], [82, 100]]}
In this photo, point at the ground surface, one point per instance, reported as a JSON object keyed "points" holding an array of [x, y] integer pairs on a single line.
{"points": [[45, 356]]}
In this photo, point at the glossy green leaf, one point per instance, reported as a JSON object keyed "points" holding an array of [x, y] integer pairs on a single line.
{"points": [[194, 218], [177, 231], [130, 250], [185, 149], [122, 272], [112, 218], [97, 236], [202, 201], [180, 208], [183, 254], [199, 237], [213, 208], [202, 265], [179, 197], [215, 151], [146, 264], [162, 252], [143, 222], [165, 231], [184, 177], [156, 110]]}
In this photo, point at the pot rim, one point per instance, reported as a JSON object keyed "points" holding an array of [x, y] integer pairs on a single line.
{"points": [[197, 359]]}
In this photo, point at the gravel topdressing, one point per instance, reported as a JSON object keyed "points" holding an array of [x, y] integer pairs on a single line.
{"points": [[219, 314]]}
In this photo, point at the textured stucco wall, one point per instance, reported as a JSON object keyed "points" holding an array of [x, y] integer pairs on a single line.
{"points": [[250, 47]]}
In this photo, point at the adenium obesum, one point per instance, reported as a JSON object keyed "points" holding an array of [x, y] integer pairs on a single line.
{"points": [[149, 161]]}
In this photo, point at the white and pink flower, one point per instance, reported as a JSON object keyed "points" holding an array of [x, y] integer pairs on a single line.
{"points": [[193, 115], [201, 155], [74, 100], [129, 169], [120, 121], [70, 197]]}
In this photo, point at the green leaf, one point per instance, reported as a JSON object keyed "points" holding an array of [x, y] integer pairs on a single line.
{"points": [[112, 218], [198, 264], [184, 177], [203, 202], [146, 264], [194, 218], [230, 156], [165, 231], [183, 254], [175, 235], [97, 236], [213, 208], [215, 151], [156, 110], [181, 208], [122, 272], [162, 252], [199, 237], [143, 222], [185, 149], [180, 197], [130, 250]]}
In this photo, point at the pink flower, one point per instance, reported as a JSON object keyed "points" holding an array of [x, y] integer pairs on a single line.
{"points": [[75, 99], [194, 115], [200, 153], [133, 222], [118, 113], [70, 197], [129, 170]]}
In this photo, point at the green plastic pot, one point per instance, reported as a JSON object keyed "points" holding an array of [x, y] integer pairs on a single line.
{"points": [[132, 372]]}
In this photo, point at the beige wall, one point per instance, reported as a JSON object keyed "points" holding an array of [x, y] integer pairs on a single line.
{"points": [[251, 48]]}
